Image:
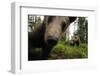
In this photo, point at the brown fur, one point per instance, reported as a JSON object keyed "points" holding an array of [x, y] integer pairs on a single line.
{"points": [[75, 40], [47, 34]]}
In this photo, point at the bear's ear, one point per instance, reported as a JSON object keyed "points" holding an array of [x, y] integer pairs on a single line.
{"points": [[72, 19]]}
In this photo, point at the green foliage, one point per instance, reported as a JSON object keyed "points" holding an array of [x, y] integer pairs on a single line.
{"points": [[65, 51], [37, 22], [83, 29]]}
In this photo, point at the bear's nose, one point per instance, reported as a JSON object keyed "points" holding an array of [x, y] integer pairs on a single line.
{"points": [[52, 41]]}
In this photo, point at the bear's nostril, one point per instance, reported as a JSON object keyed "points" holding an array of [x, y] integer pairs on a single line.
{"points": [[52, 41]]}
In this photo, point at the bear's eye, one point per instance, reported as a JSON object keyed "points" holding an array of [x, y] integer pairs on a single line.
{"points": [[63, 25]]}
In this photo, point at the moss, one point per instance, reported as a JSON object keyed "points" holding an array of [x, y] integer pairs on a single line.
{"points": [[65, 51]]}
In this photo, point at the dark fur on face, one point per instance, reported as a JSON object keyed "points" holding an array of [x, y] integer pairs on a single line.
{"points": [[47, 34]]}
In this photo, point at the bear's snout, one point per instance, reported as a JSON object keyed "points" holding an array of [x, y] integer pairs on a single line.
{"points": [[52, 40]]}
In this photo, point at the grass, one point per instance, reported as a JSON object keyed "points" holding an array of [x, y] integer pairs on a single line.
{"points": [[64, 51]]}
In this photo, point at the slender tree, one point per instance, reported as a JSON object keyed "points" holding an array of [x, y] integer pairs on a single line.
{"points": [[83, 29]]}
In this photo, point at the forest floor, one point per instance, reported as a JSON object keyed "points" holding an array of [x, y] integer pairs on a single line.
{"points": [[67, 51], [64, 51]]}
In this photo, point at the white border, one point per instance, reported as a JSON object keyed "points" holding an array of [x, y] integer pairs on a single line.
{"points": [[19, 39]]}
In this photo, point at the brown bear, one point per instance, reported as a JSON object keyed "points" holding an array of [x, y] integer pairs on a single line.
{"points": [[47, 34], [75, 40]]}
